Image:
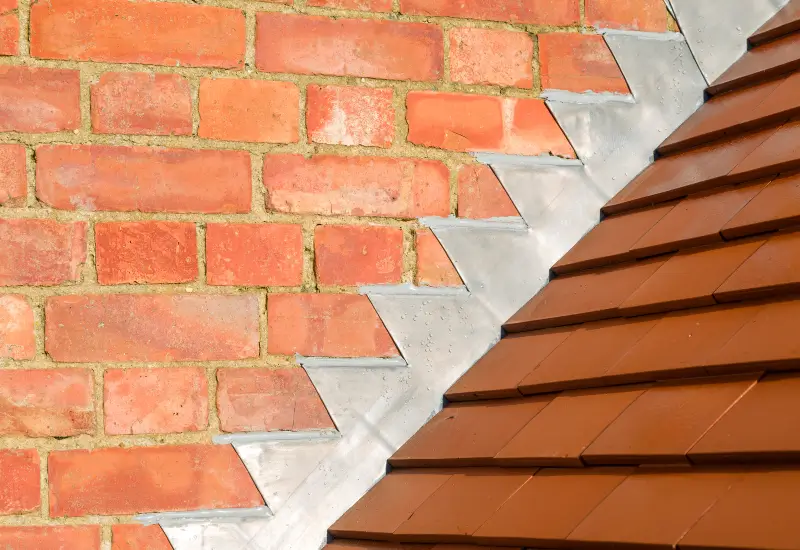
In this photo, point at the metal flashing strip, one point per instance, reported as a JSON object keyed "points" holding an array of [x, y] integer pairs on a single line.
{"points": [[224, 515], [522, 160], [586, 98], [347, 362], [661, 36], [412, 290], [261, 437], [515, 223]]}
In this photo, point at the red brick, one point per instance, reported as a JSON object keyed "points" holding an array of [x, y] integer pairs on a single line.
{"points": [[254, 254], [364, 5], [147, 179], [306, 44], [9, 28], [640, 15], [346, 115], [542, 12], [116, 481], [579, 63], [462, 122], [122, 31], [357, 186], [484, 56], [39, 100], [326, 325], [481, 195], [142, 103], [434, 267], [145, 252], [146, 401], [41, 252], [19, 491], [46, 403], [13, 176], [260, 400], [139, 327], [16, 328], [139, 537], [358, 254], [50, 537], [249, 110]]}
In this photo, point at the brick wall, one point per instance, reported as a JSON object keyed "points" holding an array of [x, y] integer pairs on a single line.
{"points": [[191, 193]]}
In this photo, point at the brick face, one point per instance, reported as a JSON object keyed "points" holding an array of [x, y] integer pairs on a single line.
{"points": [[139, 537], [640, 15], [256, 400], [13, 179], [483, 56], [365, 5], [19, 491], [148, 479], [16, 328], [38, 99], [61, 537], [542, 12], [346, 115], [41, 252], [358, 254], [434, 267], [137, 327], [9, 28], [305, 44], [481, 195], [119, 31], [579, 63]]}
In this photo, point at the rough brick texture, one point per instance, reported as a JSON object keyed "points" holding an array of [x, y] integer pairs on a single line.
{"points": [[41, 252], [19, 490], [482, 56], [579, 63], [346, 115], [13, 178], [358, 254], [38, 99], [144, 479], [365, 5], [481, 195], [541, 12], [434, 267], [9, 28], [258, 400], [139, 537], [640, 15], [61, 537], [17, 340]]}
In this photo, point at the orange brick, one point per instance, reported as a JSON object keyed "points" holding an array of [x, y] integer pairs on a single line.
{"points": [[364, 5], [249, 110], [579, 63], [142, 103], [9, 28], [139, 537], [146, 401], [462, 122], [147, 179], [358, 255], [326, 325], [41, 252], [13, 175], [41, 537], [46, 403], [19, 491], [434, 267], [484, 56], [145, 252], [116, 481], [540, 12], [357, 186], [39, 100], [259, 400], [254, 254], [16, 328], [481, 195], [346, 115], [123, 31], [306, 44], [640, 15], [140, 327]]}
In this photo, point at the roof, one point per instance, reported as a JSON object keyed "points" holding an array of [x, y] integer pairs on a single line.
{"points": [[649, 395]]}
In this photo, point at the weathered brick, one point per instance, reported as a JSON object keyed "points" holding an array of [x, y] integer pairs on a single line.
{"points": [[41, 537], [358, 254], [139, 537], [258, 400], [357, 186], [254, 254], [364, 5], [145, 252], [16, 328], [145, 401], [148, 179], [249, 110], [19, 490], [486, 56], [540, 12], [579, 63], [41, 252], [116, 481], [13, 176], [434, 267], [640, 15], [39, 100], [306, 44], [46, 402], [326, 325], [122, 31], [463, 122], [142, 103], [481, 195], [9, 28], [346, 115], [138, 327]]}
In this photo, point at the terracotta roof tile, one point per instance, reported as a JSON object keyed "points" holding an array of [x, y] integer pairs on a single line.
{"points": [[779, 153], [775, 207], [786, 21], [767, 61]]}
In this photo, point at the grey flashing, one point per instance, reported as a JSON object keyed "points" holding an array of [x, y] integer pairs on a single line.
{"points": [[412, 290], [522, 160], [642, 35], [260, 437], [199, 516], [515, 223], [586, 98], [355, 362]]}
